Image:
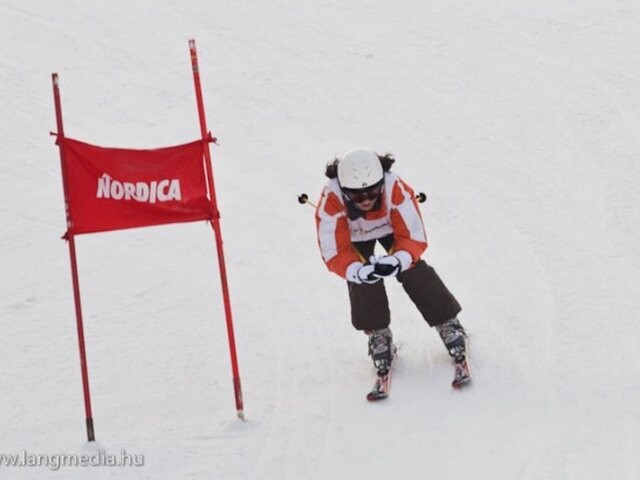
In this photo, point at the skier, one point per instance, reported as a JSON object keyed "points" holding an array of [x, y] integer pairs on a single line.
{"points": [[364, 203]]}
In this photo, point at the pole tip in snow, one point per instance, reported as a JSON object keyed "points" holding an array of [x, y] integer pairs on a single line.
{"points": [[91, 436], [241, 415]]}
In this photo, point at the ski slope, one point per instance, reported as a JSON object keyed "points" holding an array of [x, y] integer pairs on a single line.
{"points": [[518, 119]]}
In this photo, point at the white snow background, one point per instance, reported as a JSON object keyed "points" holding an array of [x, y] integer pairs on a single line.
{"points": [[521, 122]]}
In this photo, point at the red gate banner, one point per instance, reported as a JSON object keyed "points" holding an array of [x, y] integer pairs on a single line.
{"points": [[116, 188]]}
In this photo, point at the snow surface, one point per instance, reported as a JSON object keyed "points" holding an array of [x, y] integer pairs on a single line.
{"points": [[520, 121]]}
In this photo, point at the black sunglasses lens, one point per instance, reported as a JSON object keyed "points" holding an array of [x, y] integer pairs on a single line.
{"points": [[362, 195]]}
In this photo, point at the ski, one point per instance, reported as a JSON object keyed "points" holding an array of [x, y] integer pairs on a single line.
{"points": [[382, 386], [462, 374]]}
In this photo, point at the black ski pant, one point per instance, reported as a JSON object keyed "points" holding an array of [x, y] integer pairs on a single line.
{"points": [[370, 305]]}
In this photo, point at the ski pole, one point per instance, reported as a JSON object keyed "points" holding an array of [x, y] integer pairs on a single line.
{"points": [[304, 198], [421, 197]]}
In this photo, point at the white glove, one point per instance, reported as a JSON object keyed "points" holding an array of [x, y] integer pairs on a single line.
{"points": [[360, 273], [391, 265]]}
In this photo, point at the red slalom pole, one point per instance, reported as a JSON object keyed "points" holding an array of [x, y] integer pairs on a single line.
{"points": [[74, 268], [215, 223]]}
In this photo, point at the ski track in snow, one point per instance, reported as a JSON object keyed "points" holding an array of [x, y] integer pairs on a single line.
{"points": [[520, 123]]}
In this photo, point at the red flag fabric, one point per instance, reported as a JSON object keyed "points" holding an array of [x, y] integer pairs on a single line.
{"points": [[115, 188]]}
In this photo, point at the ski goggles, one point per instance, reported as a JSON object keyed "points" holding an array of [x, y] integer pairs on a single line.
{"points": [[363, 194]]}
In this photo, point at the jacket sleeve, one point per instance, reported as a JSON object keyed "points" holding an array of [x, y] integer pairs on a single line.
{"points": [[408, 227], [334, 237]]}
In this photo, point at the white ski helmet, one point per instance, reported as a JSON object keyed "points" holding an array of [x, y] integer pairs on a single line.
{"points": [[359, 168]]}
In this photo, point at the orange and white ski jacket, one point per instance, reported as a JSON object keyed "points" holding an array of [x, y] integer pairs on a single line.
{"points": [[398, 215]]}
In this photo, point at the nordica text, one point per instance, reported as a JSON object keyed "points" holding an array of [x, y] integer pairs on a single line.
{"points": [[152, 192]]}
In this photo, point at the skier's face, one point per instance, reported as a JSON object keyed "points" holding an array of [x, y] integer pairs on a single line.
{"points": [[364, 199], [365, 205]]}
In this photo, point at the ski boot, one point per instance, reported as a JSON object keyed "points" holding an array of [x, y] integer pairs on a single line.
{"points": [[454, 338], [381, 349]]}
